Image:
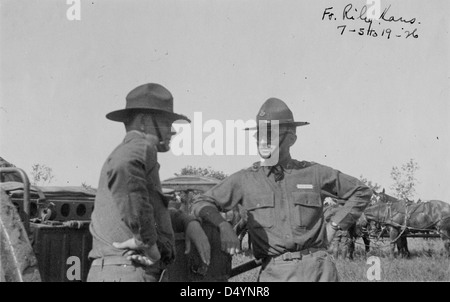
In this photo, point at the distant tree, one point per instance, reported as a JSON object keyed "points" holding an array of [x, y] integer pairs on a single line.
{"points": [[374, 186], [208, 172], [41, 175], [404, 180]]}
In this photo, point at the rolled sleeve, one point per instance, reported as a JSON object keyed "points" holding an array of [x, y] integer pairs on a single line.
{"points": [[180, 220], [222, 197]]}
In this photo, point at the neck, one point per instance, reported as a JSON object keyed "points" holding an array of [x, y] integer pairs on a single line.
{"points": [[149, 136], [284, 159]]}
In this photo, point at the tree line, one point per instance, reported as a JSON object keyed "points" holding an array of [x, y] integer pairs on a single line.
{"points": [[404, 181]]}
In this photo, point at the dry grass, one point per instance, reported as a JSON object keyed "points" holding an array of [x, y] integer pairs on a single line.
{"points": [[428, 262]]}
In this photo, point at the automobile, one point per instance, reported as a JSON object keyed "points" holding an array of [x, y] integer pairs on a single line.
{"points": [[45, 232]]}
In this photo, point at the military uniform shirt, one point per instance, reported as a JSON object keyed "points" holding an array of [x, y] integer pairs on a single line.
{"points": [[130, 203], [287, 215]]}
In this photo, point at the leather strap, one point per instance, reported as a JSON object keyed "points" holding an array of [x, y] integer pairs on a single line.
{"points": [[113, 260], [297, 255]]}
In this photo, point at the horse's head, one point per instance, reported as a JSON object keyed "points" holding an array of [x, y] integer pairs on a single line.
{"points": [[362, 221], [377, 212], [374, 198], [379, 197], [390, 212], [382, 197]]}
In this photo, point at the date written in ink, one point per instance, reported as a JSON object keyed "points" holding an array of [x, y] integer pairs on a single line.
{"points": [[387, 33]]}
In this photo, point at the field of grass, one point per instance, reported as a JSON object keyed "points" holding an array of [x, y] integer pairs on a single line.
{"points": [[428, 262]]}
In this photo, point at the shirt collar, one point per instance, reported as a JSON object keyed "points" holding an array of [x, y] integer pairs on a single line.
{"points": [[291, 164]]}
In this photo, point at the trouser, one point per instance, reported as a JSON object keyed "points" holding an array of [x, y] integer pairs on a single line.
{"points": [[315, 267], [118, 269]]}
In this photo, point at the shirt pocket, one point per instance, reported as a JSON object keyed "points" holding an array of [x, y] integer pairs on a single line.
{"points": [[307, 208], [261, 211]]}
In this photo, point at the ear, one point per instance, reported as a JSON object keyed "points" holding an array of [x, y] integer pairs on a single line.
{"points": [[292, 139], [142, 122]]}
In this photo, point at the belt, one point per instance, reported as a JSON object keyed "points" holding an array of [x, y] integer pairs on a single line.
{"points": [[112, 260], [297, 255]]}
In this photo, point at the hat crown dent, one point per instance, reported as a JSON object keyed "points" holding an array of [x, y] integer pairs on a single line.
{"points": [[150, 90], [155, 95], [151, 97], [275, 109]]}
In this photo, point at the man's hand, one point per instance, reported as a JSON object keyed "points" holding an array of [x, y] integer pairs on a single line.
{"points": [[138, 252], [194, 232], [330, 232], [229, 241]]}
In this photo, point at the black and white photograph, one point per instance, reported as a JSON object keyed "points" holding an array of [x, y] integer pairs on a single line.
{"points": [[225, 141]]}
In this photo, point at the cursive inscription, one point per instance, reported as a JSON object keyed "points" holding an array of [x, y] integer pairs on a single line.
{"points": [[348, 14], [378, 22]]}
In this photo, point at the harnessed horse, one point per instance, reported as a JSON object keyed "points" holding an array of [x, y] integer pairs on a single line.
{"points": [[403, 217]]}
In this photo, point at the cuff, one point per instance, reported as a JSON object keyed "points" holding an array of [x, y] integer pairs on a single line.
{"points": [[180, 220], [212, 215], [334, 226]]}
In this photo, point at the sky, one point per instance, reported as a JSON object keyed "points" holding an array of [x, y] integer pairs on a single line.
{"points": [[372, 102]]}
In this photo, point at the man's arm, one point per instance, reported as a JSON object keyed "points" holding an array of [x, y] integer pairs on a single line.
{"points": [[180, 220], [188, 224], [223, 196], [128, 185], [354, 192]]}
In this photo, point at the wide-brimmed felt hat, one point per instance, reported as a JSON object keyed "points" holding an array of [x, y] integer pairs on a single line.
{"points": [[276, 110], [152, 98]]}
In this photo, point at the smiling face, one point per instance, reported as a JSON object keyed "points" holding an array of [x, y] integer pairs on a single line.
{"points": [[268, 141], [274, 142]]}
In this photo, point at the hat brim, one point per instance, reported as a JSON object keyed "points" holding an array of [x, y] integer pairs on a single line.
{"points": [[295, 124], [123, 114]]}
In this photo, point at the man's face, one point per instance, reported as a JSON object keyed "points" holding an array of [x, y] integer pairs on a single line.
{"points": [[268, 140], [275, 141], [165, 128], [164, 125]]}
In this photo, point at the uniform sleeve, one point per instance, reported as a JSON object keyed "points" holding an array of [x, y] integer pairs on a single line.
{"points": [[180, 220], [223, 197], [355, 194], [128, 185]]}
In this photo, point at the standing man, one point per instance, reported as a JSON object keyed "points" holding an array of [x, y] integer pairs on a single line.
{"points": [[283, 198], [132, 226]]}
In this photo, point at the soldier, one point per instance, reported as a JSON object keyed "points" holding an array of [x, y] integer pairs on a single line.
{"points": [[132, 227], [284, 204]]}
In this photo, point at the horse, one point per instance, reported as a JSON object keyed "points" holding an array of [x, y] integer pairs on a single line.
{"points": [[401, 217], [377, 229]]}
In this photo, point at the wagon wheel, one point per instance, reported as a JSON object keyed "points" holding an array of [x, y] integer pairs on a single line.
{"points": [[17, 262]]}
